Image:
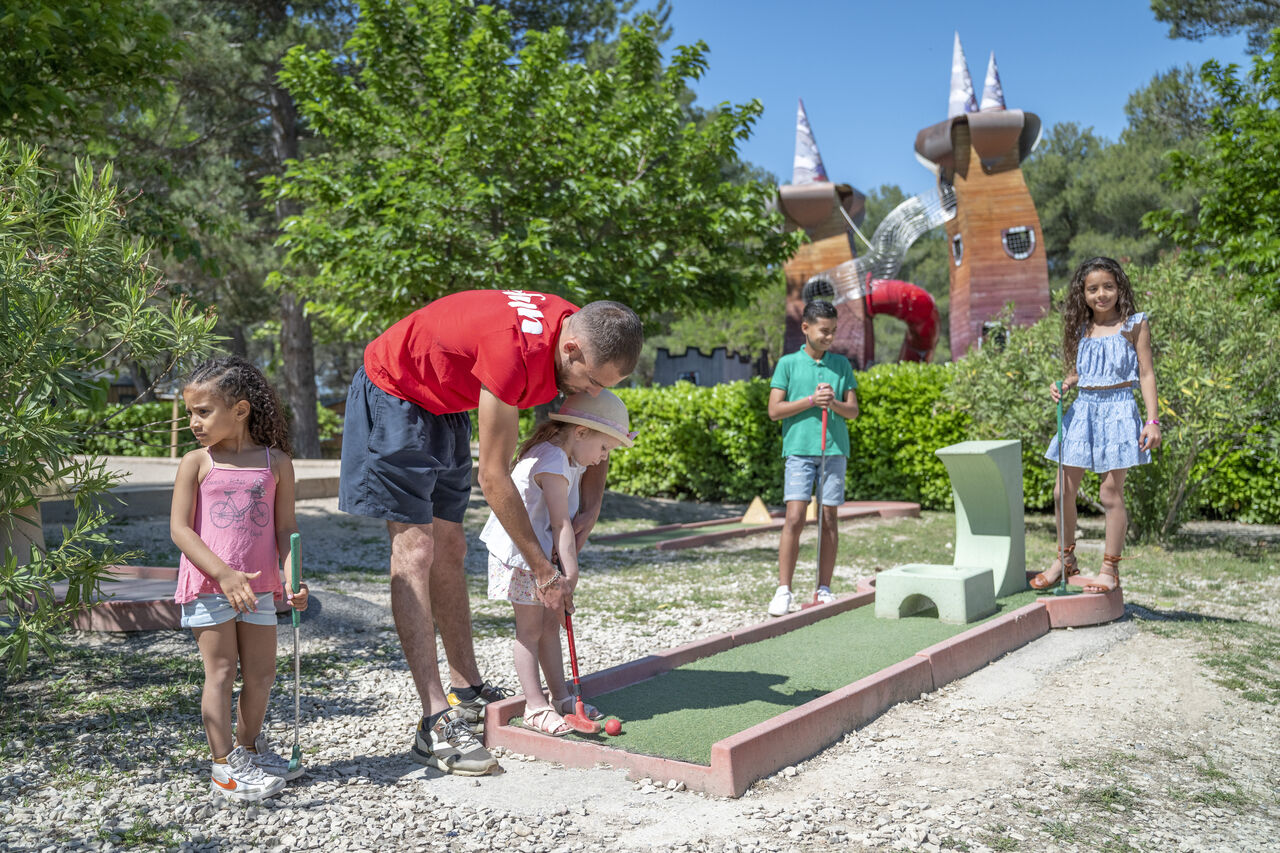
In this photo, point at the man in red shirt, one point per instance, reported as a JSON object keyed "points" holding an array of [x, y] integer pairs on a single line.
{"points": [[406, 458]]}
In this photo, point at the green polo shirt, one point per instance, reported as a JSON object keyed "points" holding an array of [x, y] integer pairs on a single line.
{"points": [[798, 375]]}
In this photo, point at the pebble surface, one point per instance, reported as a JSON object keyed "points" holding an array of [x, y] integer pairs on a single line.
{"points": [[1110, 737]]}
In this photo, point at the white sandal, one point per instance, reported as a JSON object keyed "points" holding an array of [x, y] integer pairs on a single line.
{"points": [[546, 721]]}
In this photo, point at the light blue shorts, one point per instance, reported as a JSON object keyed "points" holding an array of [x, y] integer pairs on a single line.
{"points": [[801, 476], [214, 609]]}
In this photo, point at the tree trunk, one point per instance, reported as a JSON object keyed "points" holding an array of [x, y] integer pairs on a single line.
{"points": [[141, 383], [297, 348]]}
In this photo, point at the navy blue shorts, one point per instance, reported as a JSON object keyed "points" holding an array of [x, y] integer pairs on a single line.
{"points": [[401, 462]]}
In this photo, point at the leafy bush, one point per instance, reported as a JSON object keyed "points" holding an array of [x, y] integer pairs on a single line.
{"points": [[79, 299], [137, 429], [1216, 364], [718, 443], [903, 418], [1219, 405], [1006, 391], [708, 444], [1243, 488]]}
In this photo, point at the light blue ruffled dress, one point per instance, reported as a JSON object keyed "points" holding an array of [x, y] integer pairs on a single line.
{"points": [[1100, 430]]}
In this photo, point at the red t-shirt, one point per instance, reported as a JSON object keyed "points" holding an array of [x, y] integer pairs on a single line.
{"points": [[440, 355]]}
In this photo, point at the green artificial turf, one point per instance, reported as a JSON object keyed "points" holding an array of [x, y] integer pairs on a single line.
{"points": [[681, 713], [644, 540]]}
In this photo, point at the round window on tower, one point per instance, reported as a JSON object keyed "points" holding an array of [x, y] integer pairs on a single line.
{"points": [[1019, 241]]}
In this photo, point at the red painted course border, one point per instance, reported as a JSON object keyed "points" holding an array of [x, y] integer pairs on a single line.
{"points": [[739, 760]]}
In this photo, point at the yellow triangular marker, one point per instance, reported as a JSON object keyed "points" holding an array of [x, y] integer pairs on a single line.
{"points": [[811, 513], [757, 513]]}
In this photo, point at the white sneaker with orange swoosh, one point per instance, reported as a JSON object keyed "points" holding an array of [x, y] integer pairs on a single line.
{"points": [[239, 779]]}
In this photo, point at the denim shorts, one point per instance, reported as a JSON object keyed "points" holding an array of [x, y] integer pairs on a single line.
{"points": [[209, 610], [401, 462], [800, 478]]}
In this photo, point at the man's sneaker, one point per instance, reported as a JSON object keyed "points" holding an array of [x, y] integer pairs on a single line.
{"points": [[239, 779], [824, 596], [451, 746], [781, 602], [271, 762], [472, 710]]}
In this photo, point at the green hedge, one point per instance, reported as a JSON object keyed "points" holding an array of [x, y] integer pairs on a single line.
{"points": [[904, 417], [143, 429], [718, 443], [138, 429]]}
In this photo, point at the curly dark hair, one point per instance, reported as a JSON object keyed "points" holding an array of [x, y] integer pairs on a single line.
{"points": [[1076, 314], [234, 379]]}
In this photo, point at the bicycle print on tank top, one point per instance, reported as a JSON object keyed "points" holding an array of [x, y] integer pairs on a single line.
{"points": [[235, 517]]}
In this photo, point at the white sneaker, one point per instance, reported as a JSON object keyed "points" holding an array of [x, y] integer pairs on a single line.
{"points": [[824, 595], [271, 762], [781, 602], [240, 780]]}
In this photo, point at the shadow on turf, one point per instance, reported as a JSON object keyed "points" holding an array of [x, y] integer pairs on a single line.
{"points": [[684, 689]]}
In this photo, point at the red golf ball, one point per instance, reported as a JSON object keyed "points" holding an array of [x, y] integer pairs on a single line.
{"points": [[613, 727]]}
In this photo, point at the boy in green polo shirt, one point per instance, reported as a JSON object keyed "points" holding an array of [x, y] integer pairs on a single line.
{"points": [[804, 384]]}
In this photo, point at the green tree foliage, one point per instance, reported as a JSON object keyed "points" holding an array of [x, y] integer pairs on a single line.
{"points": [[1091, 194], [66, 67], [1237, 172], [590, 25], [454, 163], [77, 299], [1195, 19], [1218, 402]]}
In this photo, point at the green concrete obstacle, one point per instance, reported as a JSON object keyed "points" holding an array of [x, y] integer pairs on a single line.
{"points": [[990, 551]]}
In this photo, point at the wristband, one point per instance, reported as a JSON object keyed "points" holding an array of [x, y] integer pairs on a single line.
{"points": [[811, 401], [542, 586], [1153, 422]]}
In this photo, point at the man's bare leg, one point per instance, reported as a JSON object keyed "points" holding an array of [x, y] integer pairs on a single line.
{"points": [[412, 551], [451, 605]]}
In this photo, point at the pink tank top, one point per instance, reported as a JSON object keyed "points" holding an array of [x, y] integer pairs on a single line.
{"points": [[235, 517]]}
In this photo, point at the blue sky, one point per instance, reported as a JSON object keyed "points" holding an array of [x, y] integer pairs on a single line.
{"points": [[872, 74]]}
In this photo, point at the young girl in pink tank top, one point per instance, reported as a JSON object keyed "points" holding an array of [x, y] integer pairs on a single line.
{"points": [[232, 517]]}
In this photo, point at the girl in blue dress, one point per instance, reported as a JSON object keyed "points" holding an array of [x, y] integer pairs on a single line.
{"points": [[1106, 345]]}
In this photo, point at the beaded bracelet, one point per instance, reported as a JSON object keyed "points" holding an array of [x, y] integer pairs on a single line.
{"points": [[1153, 422], [550, 581], [811, 401]]}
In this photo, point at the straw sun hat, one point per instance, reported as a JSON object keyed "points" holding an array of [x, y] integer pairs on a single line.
{"points": [[604, 413]]}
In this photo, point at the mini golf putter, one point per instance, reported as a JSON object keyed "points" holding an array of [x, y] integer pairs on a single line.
{"points": [[295, 559], [578, 721]]}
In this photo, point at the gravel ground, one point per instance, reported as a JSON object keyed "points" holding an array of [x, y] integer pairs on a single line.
{"points": [[1109, 738]]}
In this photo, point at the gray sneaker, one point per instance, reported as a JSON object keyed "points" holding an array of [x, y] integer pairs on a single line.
{"points": [[452, 747], [271, 762], [472, 710]]}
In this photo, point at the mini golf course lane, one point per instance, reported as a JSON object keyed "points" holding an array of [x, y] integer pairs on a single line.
{"points": [[680, 714]]}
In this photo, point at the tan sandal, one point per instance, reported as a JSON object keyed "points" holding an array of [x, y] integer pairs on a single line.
{"points": [[1067, 557], [546, 721], [1110, 569]]}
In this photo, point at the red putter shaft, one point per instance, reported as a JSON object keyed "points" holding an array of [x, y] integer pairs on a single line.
{"points": [[578, 721]]}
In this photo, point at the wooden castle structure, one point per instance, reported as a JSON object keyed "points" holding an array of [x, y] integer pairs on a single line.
{"points": [[824, 210], [996, 246]]}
